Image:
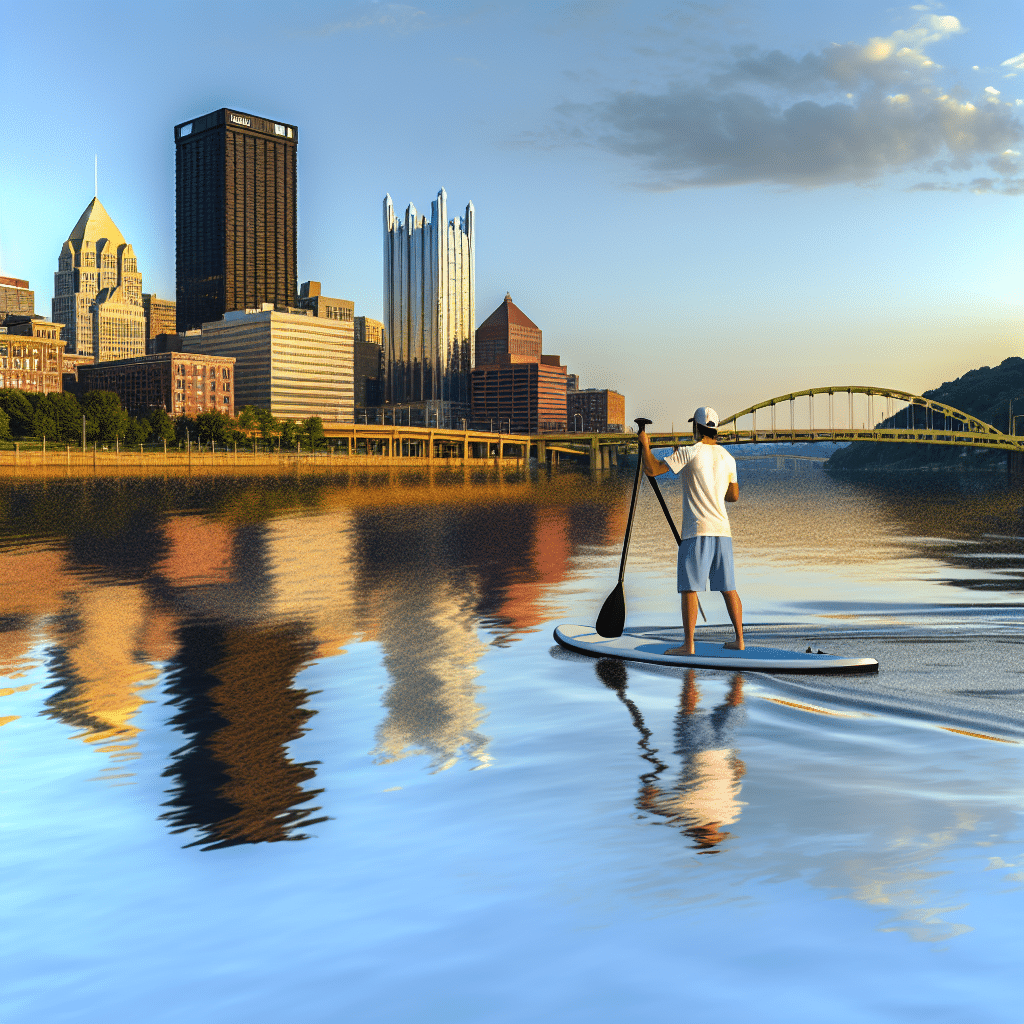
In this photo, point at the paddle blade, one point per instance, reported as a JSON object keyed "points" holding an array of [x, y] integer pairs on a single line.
{"points": [[613, 613]]}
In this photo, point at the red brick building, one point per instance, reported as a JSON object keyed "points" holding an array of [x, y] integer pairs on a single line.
{"points": [[181, 383], [513, 383], [596, 411]]}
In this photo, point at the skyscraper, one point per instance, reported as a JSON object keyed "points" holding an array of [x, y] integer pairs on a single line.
{"points": [[429, 312], [97, 290], [236, 215]]}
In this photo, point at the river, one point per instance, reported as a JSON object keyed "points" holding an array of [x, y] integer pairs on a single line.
{"points": [[302, 748]]}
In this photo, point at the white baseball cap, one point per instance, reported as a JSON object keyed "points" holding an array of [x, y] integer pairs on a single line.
{"points": [[706, 417]]}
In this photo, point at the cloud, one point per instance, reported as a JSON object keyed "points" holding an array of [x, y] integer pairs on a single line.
{"points": [[850, 113], [1014, 62], [395, 17]]}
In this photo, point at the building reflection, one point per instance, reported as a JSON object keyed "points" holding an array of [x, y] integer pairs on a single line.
{"points": [[232, 688], [106, 644], [431, 651], [225, 608], [704, 799]]}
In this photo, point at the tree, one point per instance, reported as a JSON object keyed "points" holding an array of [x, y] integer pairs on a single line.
{"points": [[5, 426], [288, 434], [136, 432], [67, 413], [19, 411], [214, 426], [268, 425], [185, 428], [161, 425], [58, 416], [43, 424], [313, 431], [248, 420], [105, 420]]}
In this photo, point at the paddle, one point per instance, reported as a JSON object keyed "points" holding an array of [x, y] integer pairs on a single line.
{"points": [[671, 522], [613, 611]]}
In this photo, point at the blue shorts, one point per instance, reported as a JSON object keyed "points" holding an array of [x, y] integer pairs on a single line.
{"points": [[701, 558]]}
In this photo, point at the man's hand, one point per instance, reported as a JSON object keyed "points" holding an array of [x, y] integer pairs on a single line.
{"points": [[652, 466]]}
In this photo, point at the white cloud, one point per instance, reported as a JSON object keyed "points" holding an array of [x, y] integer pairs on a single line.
{"points": [[991, 91], [827, 117], [1014, 62], [394, 17]]}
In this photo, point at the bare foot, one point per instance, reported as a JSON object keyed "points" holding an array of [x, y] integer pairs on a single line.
{"points": [[734, 645], [680, 650]]}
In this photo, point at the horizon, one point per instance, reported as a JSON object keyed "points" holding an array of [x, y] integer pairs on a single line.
{"points": [[695, 205]]}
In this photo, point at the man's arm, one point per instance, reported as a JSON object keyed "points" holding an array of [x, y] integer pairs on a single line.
{"points": [[732, 492], [653, 466]]}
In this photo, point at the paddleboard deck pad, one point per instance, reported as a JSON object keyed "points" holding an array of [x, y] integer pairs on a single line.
{"points": [[651, 646]]}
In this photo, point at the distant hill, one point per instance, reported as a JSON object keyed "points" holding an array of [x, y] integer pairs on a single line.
{"points": [[985, 393]]}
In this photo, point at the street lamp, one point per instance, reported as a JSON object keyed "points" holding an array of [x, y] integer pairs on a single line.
{"points": [[577, 416]]}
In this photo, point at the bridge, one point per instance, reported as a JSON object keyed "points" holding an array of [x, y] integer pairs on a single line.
{"points": [[829, 414]]}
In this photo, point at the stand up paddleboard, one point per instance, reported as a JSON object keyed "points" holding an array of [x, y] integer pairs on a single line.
{"points": [[650, 645]]}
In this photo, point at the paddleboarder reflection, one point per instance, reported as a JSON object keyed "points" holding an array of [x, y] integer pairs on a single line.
{"points": [[705, 797]]}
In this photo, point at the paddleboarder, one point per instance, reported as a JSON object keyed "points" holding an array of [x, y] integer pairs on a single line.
{"points": [[705, 554]]}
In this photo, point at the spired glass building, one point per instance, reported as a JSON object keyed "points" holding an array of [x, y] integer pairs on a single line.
{"points": [[236, 216], [429, 314]]}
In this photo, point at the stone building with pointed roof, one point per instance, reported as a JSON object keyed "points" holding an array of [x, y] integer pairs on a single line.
{"points": [[514, 385], [97, 290]]}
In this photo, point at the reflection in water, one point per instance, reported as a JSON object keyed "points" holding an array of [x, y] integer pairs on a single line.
{"points": [[233, 689], [431, 654], [102, 662], [704, 799]]}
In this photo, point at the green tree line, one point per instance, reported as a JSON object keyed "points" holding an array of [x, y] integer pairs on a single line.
{"points": [[989, 393], [58, 417]]}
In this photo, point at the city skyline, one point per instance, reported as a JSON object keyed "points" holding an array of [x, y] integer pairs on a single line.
{"points": [[663, 263]]}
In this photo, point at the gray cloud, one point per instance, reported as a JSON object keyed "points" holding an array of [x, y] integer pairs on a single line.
{"points": [[696, 137], [823, 119]]}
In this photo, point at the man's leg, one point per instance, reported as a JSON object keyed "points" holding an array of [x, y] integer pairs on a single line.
{"points": [[734, 607], [689, 603]]}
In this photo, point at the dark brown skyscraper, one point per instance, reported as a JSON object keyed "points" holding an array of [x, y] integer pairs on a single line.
{"points": [[236, 215]]}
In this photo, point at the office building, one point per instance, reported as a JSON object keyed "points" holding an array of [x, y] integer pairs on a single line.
{"points": [[16, 297], [516, 386], [323, 306], [288, 361], [572, 382], [160, 318], [367, 330], [31, 354], [181, 384], [429, 313], [97, 290], [236, 215], [596, 411], [508, 331]]}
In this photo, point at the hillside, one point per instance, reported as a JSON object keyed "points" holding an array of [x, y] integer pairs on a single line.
{"points": [[985, 393]]}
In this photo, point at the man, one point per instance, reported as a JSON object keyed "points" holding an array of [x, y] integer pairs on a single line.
{"points": [[709, 478]]}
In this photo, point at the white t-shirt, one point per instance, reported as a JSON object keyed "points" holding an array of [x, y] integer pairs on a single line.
{"points": [[707, 470]]}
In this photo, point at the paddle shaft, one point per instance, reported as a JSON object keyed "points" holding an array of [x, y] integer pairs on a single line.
{"points": [[641, 423]]}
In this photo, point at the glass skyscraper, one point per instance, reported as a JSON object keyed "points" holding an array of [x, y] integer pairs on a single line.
{"points": [[429, 313]]}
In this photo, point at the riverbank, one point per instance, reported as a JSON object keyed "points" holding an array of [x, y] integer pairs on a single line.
{"points": [[76, 463]]}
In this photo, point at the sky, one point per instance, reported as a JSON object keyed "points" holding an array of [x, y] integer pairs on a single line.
{"points": [[698, 203]]}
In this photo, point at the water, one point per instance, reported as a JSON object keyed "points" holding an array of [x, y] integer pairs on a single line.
{"points": [[304, 750]]}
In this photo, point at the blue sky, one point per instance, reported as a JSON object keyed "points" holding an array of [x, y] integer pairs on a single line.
{"points": [[697, 202]]}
